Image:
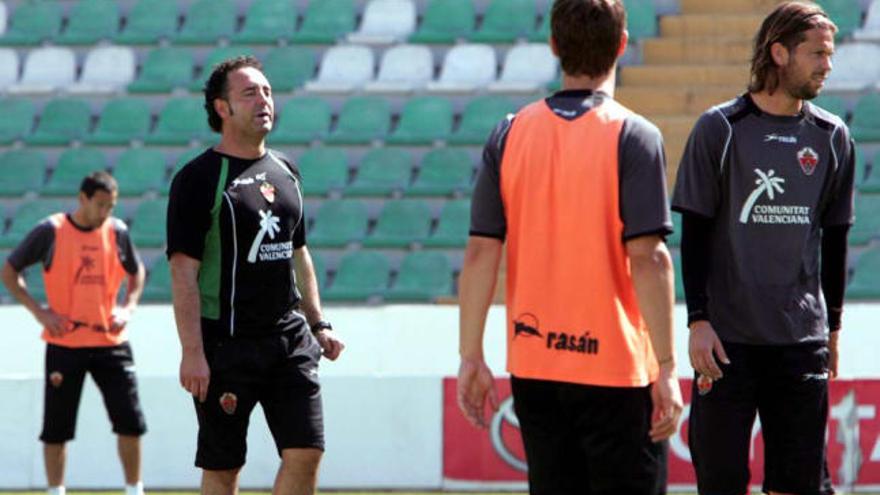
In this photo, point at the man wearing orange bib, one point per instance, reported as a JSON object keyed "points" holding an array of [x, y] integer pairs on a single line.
{"points": [[85, 257], [574, 186]]}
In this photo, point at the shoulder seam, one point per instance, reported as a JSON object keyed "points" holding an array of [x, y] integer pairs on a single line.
{"points": [[727, 141]]}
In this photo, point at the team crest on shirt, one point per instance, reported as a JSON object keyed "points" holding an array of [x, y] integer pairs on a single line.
{"points": [[56, 379], [808, 159], [268, 191], [229, 402], [704, 385]]}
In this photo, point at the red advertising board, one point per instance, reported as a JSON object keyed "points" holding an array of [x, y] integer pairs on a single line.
{"points": [[495, 456]]}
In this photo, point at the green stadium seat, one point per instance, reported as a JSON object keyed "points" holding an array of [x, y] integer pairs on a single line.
{"points": [[16, 119], [32, 23], [446, 21], [423, 120], [865, 124], [164, 70], [26, 217], [320, 266], [301, 121], [360, 276], [679, 280], [73, 165], [33, 279], [505, 21], [452, 226], [872, 183], [207, 22], [423, 276], [149, 21], [90, 21], [674, 239], [861, 171], [543, 32], [266, 22], [148, 223], [832, 103], [865, 283], [362, 120], [846, 14], [867, 225], [641, 19], [323, 170], [123, 120], [326, 21], [401, 223], [338, 223], [158, 286], [288, 67], [215, 57], [21, 171], [182, 120], [181, 160], [381, 172], [479, 118], [444, 171], [139, 170], [63, 120]]}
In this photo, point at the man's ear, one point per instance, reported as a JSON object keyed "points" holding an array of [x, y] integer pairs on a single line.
{"points": [[221, 106], [624, 39], [780, 54]]}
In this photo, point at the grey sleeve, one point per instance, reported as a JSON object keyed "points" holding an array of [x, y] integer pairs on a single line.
{"points": [[644, 208], [487, 208], [37, 246], [128, 255], [840, 209], [698, 184]]}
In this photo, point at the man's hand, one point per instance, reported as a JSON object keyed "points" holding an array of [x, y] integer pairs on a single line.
{"points": [[119, 318], [194, 373], [833, 354], [703, 346], [330, 343], [53, 322], [475, 385], [666, 397]]}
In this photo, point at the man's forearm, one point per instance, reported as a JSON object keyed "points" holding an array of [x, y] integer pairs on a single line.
{"points": [[476, 284], [307, 282], [135, 288], [652, 277], [13, 283], [187, 305]]}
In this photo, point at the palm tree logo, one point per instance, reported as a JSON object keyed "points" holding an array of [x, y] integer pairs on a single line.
{"points": [[268, 225], [766, 183], [86, 263]]}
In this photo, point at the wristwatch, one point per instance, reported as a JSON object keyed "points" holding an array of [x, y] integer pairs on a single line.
{"points": [[321, 325]]}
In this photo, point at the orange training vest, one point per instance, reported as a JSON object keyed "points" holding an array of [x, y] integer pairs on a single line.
{"points": [[572, 310]]}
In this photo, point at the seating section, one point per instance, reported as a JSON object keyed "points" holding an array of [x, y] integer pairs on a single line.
{"points": [[26, 217], [386, 21], [361, 275], [301, 121], [62, 121], [148, 223], [21, 171], [851, 73], [479, 118], [865, 126], [382, 172], [164, 70], [443, 172], [324, 170], [404, 68], [344, 69], [90, 21], [46, 70], [446, 21], [424, 120], [466, 68], [288, 67], [139, 170], [210, 20], [16, 119], [326, 21], [122, 121], [362, 120], [158, 286], [423, 276], [266, 22], [864, 281], [107, 70], [338, 223], [506, 20], [149, 21], [32, 23], [73, 165], [182, 120], [401, 224]]}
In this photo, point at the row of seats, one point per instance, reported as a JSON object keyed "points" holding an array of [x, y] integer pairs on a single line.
{"points": [[270, 21], [362, 120]]}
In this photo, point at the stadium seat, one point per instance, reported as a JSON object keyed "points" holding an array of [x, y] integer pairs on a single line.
{"points": [[832, 103], [122, 121], [870, 31], [872, 183], [21, 171], [320, 267], [344, 69], [866, 274], [641, 19], [288, 67], [382, 172], [479, 118], [527, 69], [326, 21], [46, 70], [401, 223], [90, 21], [215, 57], [466, 68], [423, 120], [861, 171], [543, 32], [4, 18], [679, 279], [73, 165], [505, 21], [26, 217], [158, 286], [16, 119], [323, 170], [179, 162], [452, 226], [8, 67], [867, 224], [107, 69], [443, 172], [423, 276], [164, 70], [207, 22], [36, 285], [32, 23], [404, 68], [266, 22], [149, 21], [360, 276], [181, 121], [865, 125], [63, 120], [446, 21], [362, 120], [338, 223], [301, 121], [148, 223], [851, 73], [139, 170], [386, 22], [846, 14]]}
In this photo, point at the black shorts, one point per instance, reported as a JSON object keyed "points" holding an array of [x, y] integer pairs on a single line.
{"points": [[582, 439], [787, 386], [112, 368], [279, 371]]}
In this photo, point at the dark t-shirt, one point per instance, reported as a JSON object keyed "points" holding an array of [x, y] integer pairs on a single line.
{"points": [[770, 184]]}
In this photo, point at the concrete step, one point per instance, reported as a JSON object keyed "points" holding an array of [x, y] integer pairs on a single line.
{"points": [[727, 6], [684, 75], [685, 51], [706, 25], [674, 101]]}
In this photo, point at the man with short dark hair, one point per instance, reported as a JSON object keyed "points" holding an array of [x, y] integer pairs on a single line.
{"points": [[245, 292], [764, 186], [85, 256], [574, 185]]}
